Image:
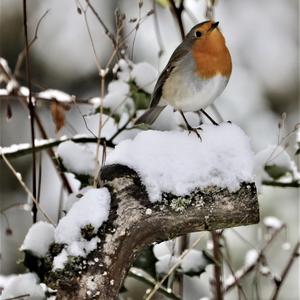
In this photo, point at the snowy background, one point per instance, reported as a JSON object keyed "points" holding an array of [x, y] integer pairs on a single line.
{"points": [[263, 39]]}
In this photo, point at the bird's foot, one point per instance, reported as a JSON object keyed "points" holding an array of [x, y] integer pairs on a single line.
{"points": [[195, 130]]}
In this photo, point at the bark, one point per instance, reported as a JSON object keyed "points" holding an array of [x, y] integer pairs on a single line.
{"points": [[134, 223]]}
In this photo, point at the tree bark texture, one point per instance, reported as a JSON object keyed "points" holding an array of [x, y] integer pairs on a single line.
{"points": [[135, 222]]}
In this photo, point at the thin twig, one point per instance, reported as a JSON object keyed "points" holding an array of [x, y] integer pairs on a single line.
{"points": [[31, 111], [227, 260], [157, 30], [121, 129], [172, 269], [46, 100], [218, 265], [18, 297], [177, 12], [31, 196], [22, 54], [40, 126], [240, 274], [106, 30], [294, 255], [150, 281]]}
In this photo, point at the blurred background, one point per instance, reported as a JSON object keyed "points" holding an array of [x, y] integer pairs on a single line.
{"points": [[263, 38]]}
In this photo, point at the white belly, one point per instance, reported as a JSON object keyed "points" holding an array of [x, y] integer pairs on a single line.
{"points": [[187, 92]]}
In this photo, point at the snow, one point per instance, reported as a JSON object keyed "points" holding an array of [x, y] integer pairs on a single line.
{"points": [[123, 68], [3, 92], [73, 182], [23, 146], [251, 257], [164, 252], [272, 222], [55, 94], [38, 238], [60, 260], [74, 197], [165, 263], [145, 76], [91, 209], [24, 284], [178, 163], [273, 155], [143, 73], [118, 86], [109, 126], [77, 158], [193, 261], [117, 99]]}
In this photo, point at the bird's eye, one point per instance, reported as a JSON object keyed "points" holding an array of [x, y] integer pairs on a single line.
{"points": [[198, 34]]}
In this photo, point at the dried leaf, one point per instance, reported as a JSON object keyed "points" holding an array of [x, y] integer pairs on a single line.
{"points": [[58, 114]]}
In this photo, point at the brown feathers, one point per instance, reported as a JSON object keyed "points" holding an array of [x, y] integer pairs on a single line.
{"points": [[211, 55]]}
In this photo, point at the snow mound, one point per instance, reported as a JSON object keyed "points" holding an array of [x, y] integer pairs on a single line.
{"points": [[178, 163], [38, 238], [77, 158], [92, 209], [24, 284]]}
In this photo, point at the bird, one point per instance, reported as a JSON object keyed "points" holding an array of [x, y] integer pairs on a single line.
{"points": [[197, 73]]}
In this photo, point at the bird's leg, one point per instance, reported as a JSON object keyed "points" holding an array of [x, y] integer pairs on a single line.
{"points": [[189, 127], [209, 117]]}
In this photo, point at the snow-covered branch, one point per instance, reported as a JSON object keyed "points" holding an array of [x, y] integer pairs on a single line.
{"points": [[134, 222]]}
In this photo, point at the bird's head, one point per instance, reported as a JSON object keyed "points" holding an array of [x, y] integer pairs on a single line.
{"points": [[206, 36]]}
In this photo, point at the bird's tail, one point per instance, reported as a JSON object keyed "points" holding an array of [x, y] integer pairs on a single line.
{"points": [[150, 115]]}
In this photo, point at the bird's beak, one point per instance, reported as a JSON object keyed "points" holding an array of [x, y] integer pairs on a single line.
{"points": [[213, 26]]}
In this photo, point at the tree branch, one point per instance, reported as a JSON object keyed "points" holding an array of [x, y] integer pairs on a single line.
{"points": [[25, 149], [294, 183], [31, 110], [134, 222], [286, 270]]}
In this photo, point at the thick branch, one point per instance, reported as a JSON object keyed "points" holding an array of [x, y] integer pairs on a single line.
{"points": [[135, 222]]}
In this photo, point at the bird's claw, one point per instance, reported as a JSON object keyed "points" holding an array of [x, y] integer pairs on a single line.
{"points": [[195, 130]]}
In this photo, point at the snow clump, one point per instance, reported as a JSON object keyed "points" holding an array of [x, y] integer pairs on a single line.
{"points": [[178, 163], [38, 238], [90, 210]]}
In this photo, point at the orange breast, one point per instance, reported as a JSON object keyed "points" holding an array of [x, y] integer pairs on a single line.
{"points": [[212, 56]]}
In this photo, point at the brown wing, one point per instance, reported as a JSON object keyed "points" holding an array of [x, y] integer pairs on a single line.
{"points": [[177, 55]]}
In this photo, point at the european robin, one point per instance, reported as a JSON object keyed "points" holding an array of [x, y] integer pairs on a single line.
{"points": [[196, 74]]}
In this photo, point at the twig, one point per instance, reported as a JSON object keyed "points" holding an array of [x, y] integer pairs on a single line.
{"points": [[39, 178], [136, 27], [26, 188], [177, 12], [157, 30], [31, 111], [26, 149], [106, 30], [172, 269], [23, 52], [40, 126], [286, 270], [18, 297], [240, 274], [228, 263], [135, 273], [120, 129], [218, 265], [274, 183], [46, 100]]}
